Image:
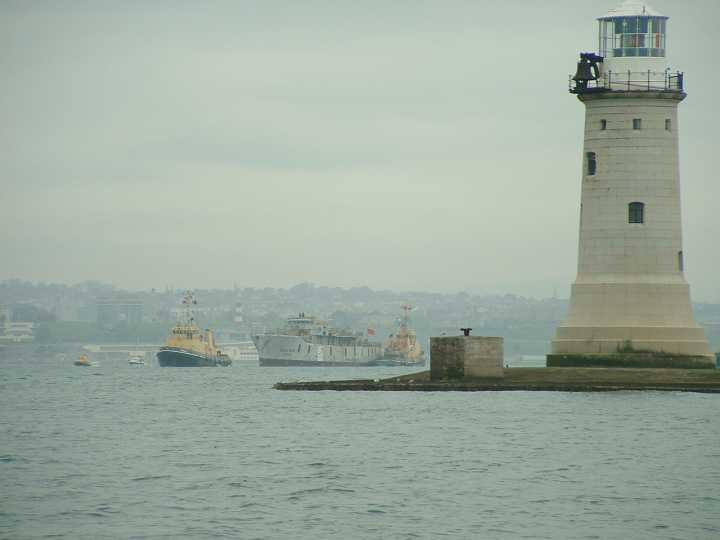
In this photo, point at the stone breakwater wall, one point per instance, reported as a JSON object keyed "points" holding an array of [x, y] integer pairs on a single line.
{"points": [[536, 379], [475, 364]]}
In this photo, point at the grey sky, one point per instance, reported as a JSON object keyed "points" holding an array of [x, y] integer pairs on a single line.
{"points": [[407, 145]]}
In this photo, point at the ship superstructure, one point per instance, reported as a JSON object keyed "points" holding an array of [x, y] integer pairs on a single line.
{"points": [[188, 346], [309, 341]]}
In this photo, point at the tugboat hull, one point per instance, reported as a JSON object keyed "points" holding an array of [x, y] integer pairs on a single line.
{"points": [[171, 357]]}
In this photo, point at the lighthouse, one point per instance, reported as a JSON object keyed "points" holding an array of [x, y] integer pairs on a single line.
{"points": [[630, 303]]}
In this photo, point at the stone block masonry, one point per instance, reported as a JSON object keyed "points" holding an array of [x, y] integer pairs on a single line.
{"points": [[459, 357]]}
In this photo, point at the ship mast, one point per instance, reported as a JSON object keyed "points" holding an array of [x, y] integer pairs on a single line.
{"points": [[405, 322], [188, 315]]}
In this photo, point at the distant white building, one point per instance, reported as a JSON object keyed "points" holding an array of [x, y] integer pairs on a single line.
{"points": [[119, 308], [17, 332]]}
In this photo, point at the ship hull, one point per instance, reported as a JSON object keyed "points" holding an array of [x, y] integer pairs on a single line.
{"points": [[286, 350], [289, 362], [172, 357], [402, 362]]}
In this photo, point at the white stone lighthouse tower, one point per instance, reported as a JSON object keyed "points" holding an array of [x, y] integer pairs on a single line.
{"points": [[630, 304]]}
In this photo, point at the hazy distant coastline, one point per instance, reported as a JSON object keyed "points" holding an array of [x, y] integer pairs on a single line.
{"points": [[96, 312]]}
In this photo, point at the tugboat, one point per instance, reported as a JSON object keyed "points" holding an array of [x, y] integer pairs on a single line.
{"points": [[403, 348], [188, 346]]}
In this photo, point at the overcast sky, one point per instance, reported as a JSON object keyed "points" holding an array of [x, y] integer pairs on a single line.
{"points": [[427, 145]]}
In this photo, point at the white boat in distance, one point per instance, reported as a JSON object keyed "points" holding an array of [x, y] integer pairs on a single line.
{"points": [[136, 359]]}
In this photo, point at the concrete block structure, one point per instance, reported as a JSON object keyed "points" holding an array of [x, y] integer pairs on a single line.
{"points": [[630, 303], [459, 357]]}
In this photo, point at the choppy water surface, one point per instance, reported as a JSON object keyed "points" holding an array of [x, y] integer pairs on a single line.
{"points": [[125, 452]]}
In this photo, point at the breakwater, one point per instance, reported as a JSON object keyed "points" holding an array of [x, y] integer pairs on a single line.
{"points": [[535, 379]]}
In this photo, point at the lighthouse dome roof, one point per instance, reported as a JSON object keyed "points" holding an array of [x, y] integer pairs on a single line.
{"points": [[633, 8]]}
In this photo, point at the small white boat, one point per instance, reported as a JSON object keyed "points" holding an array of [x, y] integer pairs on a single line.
{"points": [[137, 359]]}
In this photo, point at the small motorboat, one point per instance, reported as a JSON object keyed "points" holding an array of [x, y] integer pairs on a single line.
{"points": [[83, 361], [137, 359]]}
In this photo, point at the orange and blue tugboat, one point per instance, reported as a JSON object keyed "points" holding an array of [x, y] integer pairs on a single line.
{"points": [[188, 346]]}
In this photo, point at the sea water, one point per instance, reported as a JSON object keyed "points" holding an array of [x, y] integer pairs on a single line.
{"points": [[118, 451]]}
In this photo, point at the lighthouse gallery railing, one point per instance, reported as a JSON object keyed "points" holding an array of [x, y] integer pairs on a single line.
{"points": [[629, 81]]}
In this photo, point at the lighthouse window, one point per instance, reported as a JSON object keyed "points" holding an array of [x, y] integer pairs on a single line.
{"points": [[636, 212], [668, 124], [637, 123], [591, 163], [681, 263], [603, 125]]}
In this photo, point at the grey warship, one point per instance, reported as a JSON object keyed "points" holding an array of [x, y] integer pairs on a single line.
{"points": [[309, 341]]}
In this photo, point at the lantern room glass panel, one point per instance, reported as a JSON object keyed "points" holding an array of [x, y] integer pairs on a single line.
{"points": [[632, 36]]}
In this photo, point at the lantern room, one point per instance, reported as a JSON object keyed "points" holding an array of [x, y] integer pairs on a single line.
{"points": [[632, 35], [631, 53]]}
